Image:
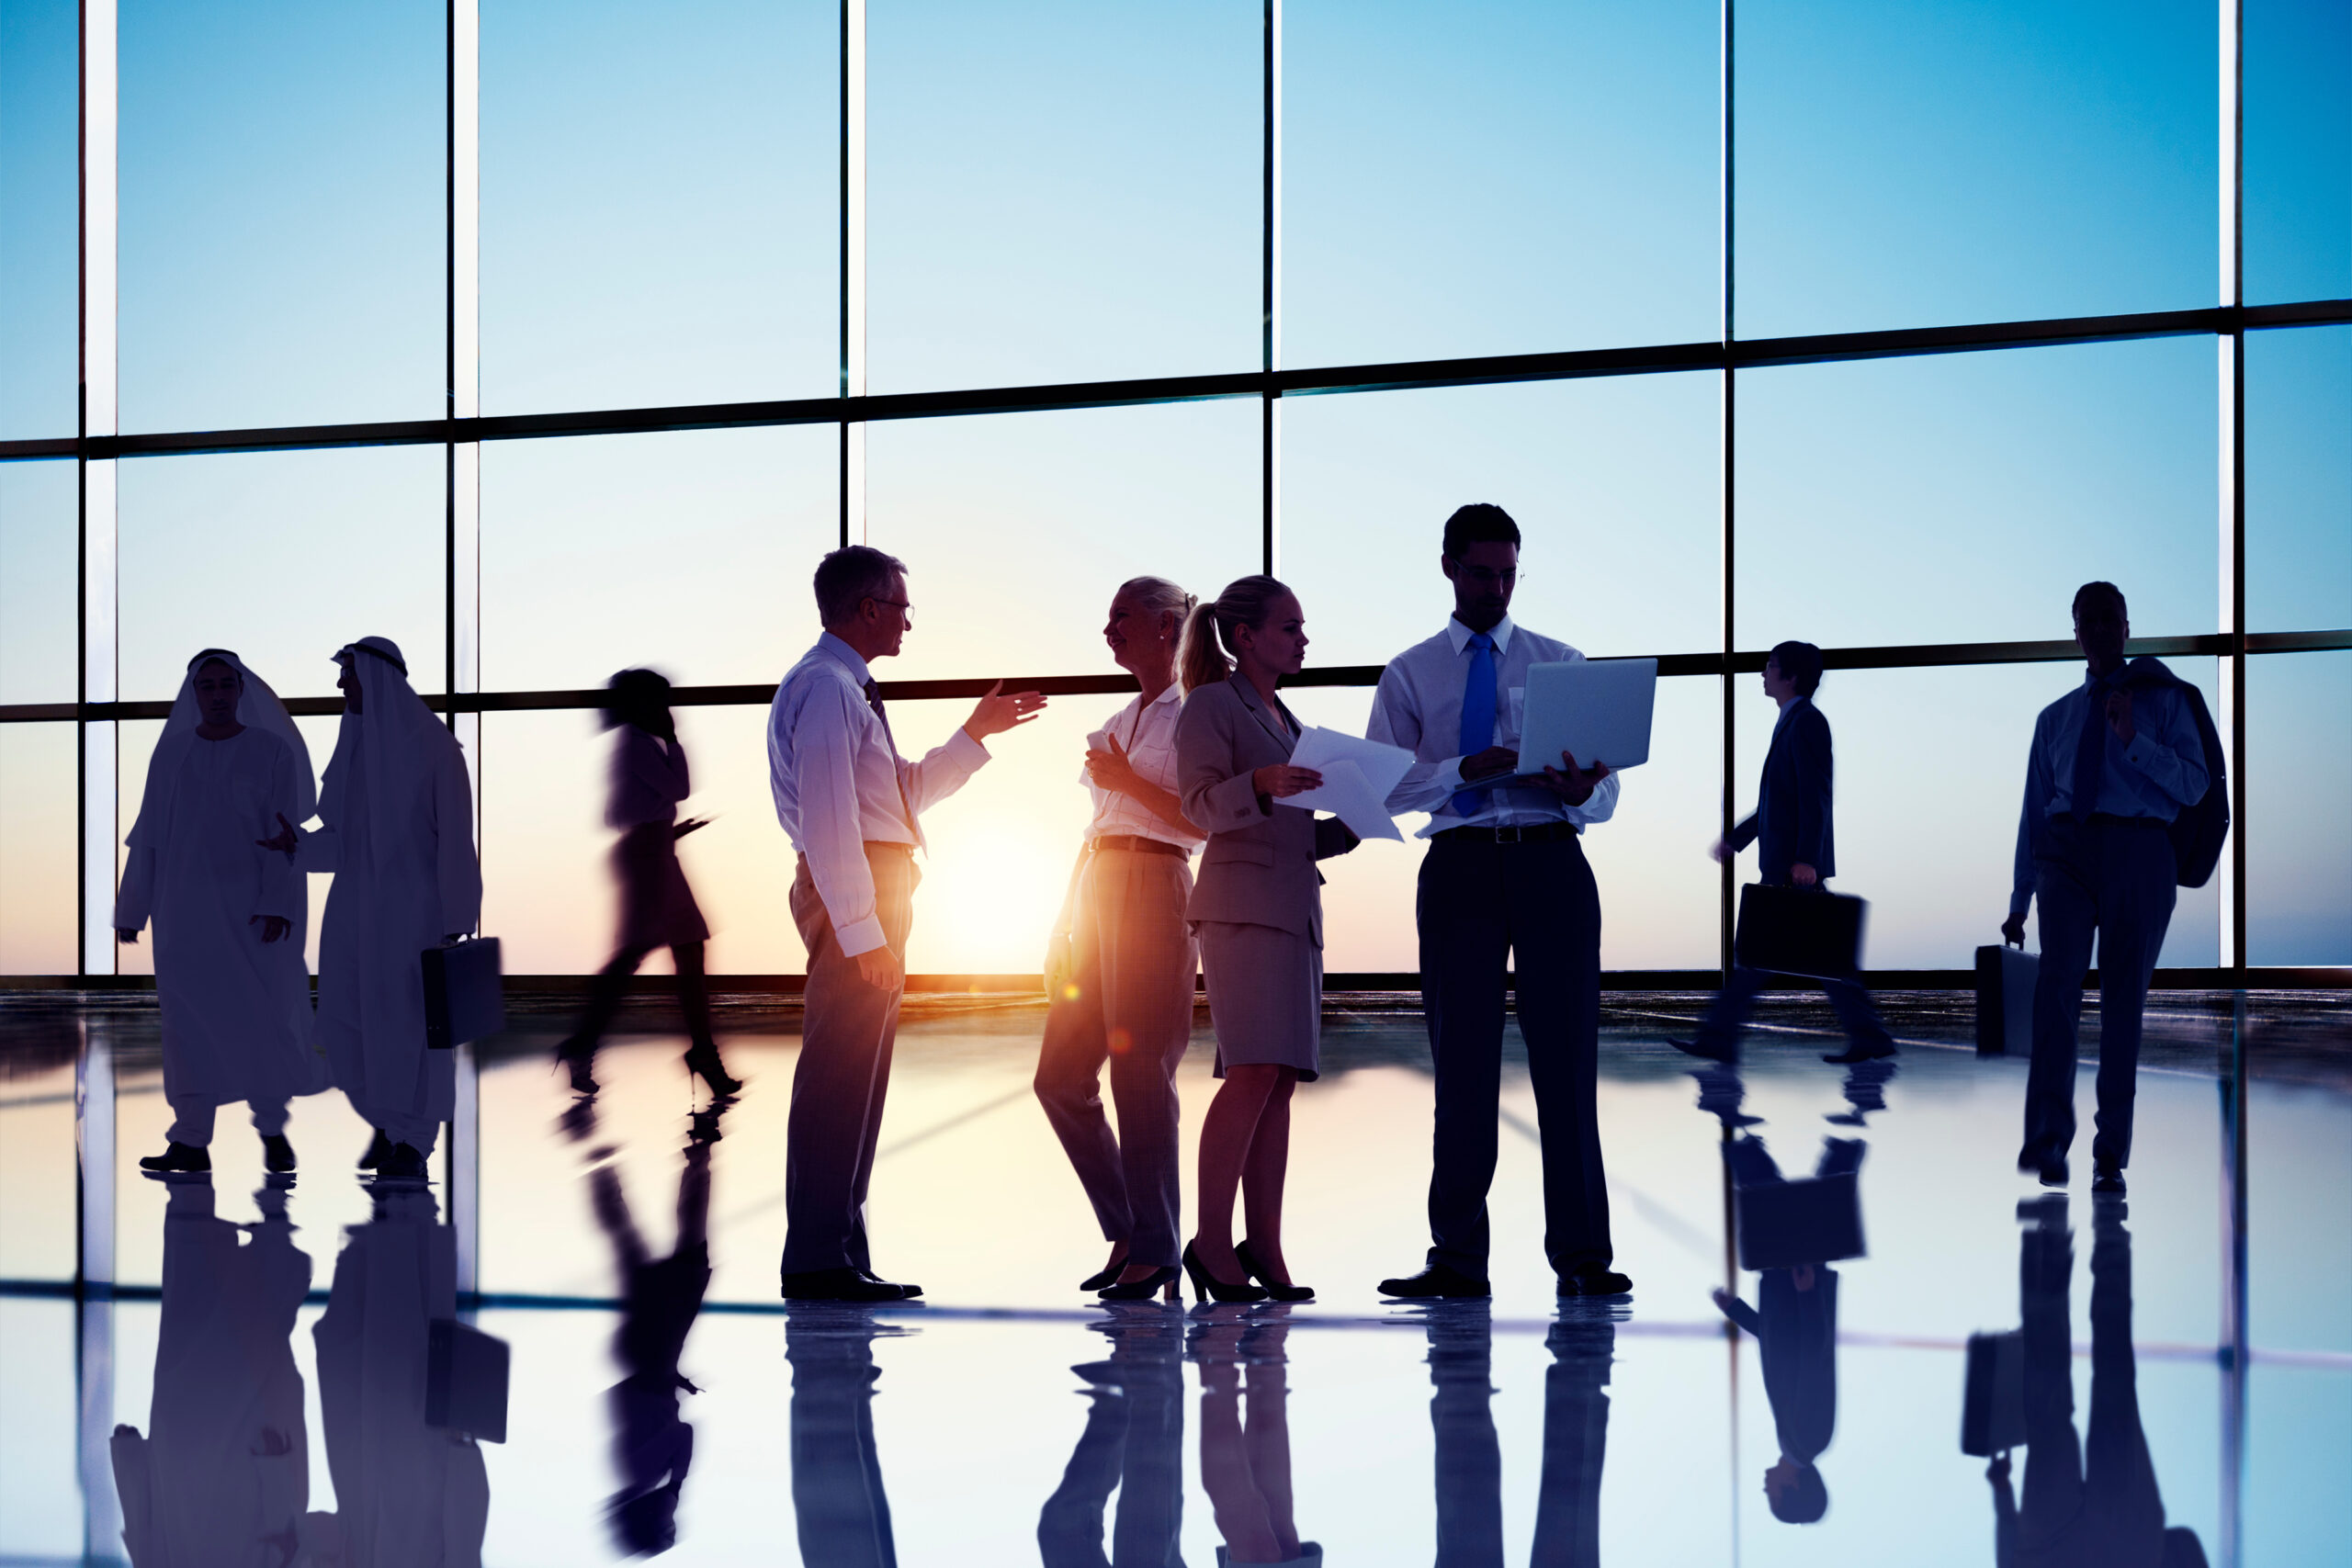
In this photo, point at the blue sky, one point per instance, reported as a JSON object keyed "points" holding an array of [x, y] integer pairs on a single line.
{"points": [[1068, 191]]}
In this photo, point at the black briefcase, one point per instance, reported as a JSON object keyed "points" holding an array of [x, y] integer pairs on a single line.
{"points": [[2005, 977], [465, 1381], [1817, 1220], [465, 997], [1799, 930], [1992, 1403]]}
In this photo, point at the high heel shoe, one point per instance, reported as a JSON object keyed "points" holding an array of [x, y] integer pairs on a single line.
{"points": [[580, 1060], [706, 1060], [1207, 1287], [1106, 1275], [1143, 1290], [1275, 1289]]}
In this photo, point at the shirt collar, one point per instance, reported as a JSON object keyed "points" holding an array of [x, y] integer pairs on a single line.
{"points": [[827, 643], [1174, 693], [1459, 634]]}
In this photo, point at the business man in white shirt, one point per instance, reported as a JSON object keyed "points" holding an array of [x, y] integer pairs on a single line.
{"points": [[850, 804], [1506, 899]]}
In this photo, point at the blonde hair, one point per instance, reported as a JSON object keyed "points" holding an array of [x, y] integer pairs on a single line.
{"points": [[1205, 659]]}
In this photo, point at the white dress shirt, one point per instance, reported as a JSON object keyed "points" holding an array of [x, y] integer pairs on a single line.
{"points": [[2156, 777], [1420, 707], [839, 782], [1148, 734]]}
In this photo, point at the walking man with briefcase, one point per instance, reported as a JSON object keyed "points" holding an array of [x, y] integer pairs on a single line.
{"points": [[1797, 849]]}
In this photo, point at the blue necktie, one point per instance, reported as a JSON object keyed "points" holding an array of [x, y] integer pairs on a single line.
{"points": [[2090, 753], [1477, 716]]}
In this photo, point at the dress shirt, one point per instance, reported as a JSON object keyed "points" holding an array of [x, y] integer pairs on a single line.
{"points": [[839, 782], [2161, 771], [1149, 737], [1420, 707]]}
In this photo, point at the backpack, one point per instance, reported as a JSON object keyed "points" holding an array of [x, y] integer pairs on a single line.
{"points": [[2200, 830]]}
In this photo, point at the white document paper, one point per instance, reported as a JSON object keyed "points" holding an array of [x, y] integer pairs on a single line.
{"points": [[1357, 776]]}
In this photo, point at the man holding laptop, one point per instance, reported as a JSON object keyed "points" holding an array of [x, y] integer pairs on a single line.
{"points": [[1504, 876]]}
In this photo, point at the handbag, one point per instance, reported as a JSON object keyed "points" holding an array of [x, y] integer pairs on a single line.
{"points": [[1815, 1220], [1992, 1401], [1799, 930], [463, 998], [2005, 980]]}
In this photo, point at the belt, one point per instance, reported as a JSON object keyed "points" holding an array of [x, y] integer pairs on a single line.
{"points": [[2101, 819], [889, 845], [1533, 833], [1137, 845]]}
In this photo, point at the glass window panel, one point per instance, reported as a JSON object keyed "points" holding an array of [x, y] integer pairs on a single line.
{"points": [[2298, 479], [2297, 131], [661, 203], [284, 557], [1658, 885], [1017, 528], [2297, 776], [1495, 178], [1933, 847], [1907, 167], [1062, 192], [546, 891], [42, 1511], [40, 577], [1963, 498], [675, 550], [40, 238], [1613, 483], [283, 176], [38, 781]]}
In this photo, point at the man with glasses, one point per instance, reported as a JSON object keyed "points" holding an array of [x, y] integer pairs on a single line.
{"points": [[1506, 901], [850, 804]]}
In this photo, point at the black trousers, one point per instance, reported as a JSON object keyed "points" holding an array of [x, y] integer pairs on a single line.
{"points": [[841, 1512], [1480, 906]]}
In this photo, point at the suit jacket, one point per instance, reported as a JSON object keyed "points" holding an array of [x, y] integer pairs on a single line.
{"points": [[1258, 866], [1792, 809]]}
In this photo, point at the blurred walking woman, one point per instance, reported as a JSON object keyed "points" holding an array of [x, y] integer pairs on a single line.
{"points": [[658, 910], [1258, 912], [1121, 965]]}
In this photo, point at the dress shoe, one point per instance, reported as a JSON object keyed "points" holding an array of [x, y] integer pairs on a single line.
{"points": [[842, 1284], [179, 1158], [1275, 1289], [1437, 1280], [1711, 1053], [277, 1153], [706, 1060], [1594, 1279], [1161, 1279], [2106, 1178], [379, 1149], [2049, 1168], [1862, 1051], [906, 1293], [1207, 1287], [404, 1164]]}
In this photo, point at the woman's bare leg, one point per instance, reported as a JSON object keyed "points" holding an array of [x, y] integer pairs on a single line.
{"points": [[1227, 1133], [1262, 1175]]}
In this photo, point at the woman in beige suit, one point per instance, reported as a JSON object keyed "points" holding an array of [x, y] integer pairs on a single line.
{"points": [[1258, 910]]}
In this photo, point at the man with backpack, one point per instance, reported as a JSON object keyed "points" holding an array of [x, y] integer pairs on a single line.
{"points": [[2113, 822]]}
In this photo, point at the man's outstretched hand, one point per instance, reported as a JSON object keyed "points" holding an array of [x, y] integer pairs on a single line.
{"points": [[2013, 930], [998, 712]]}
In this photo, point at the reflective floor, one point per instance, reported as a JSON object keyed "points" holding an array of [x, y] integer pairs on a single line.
{"points": [[266, 1382]]}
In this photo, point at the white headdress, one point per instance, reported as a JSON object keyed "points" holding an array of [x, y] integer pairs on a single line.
{"points": [[257, 708], [399, 739]]}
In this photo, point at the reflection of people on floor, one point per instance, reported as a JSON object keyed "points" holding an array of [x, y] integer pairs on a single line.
{"points": [[1469, 1457], [408, 1496], [1865, 1090], [840, 1511], [223, 1472], [1245, 1433], [652, 1445], [2086, 1504], [229, 912], [1795, 1321], [1133, 1443]]}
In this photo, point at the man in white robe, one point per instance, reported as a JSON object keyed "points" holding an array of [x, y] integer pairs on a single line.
{"points": [[397, 816], [229, 913]]}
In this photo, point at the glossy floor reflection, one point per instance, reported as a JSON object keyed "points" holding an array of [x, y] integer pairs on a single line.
{"points": [[286, 1375]]}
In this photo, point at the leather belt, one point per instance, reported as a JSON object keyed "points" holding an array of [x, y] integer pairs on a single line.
{"points": [[1137, 845], [889, 845], [1533, 833], [2101, 819]]}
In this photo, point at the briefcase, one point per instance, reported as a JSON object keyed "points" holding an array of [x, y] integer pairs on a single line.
{"points": [[1799, 930], [463, 997], [1783, 1223], [2005, 977], [465, 1381], [1992, 1403]]}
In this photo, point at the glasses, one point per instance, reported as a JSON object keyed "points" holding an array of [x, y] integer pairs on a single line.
{"points": [[901, 605]]}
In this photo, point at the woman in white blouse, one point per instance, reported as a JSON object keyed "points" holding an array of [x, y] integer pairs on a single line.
{"points": [[1120, 968]]}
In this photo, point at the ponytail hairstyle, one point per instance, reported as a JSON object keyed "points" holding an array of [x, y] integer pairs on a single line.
{"points": [[1208, 632]]}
